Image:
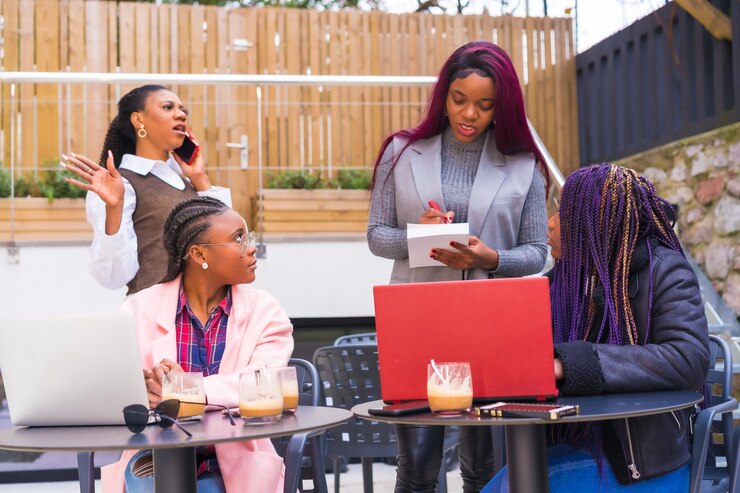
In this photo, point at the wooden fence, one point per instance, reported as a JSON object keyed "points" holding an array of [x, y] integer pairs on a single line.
{"points": [[313, 127]]}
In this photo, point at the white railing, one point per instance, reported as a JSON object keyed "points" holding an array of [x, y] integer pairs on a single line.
{"points": [[13, 79]]}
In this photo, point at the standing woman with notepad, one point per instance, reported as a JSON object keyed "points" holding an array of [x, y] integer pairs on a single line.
{"points": [[472, 160]]}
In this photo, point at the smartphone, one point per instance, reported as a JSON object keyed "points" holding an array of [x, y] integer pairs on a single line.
{"points": [[412, 407], [188, 150]]}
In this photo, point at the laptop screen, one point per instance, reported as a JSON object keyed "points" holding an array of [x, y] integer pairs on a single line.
{"points": [[502, 327]]}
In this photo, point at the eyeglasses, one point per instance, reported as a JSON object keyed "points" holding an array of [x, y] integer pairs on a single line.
{"points": [[214, 405], [136, 416], [243, 242]]}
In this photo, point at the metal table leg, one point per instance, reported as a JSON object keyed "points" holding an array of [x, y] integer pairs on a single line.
{"points": [[174, 470], [526, 454]]}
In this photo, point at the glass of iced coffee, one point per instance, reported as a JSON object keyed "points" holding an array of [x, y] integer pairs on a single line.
{"points": [[260, 396], [289, 383], [189, 389], [449, 388]]}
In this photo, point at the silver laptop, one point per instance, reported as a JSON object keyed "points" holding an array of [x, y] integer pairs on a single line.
{"points": [[70, 370]]}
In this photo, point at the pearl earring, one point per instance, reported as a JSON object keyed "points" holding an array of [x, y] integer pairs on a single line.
{"points": [[204, 265]]}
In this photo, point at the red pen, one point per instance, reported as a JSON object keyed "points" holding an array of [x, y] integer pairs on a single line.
{"points": [[436, 207]]}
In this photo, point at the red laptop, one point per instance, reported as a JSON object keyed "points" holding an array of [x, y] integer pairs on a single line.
{"points": [[501, 326]]}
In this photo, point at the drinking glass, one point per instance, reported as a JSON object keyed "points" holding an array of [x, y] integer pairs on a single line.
{"points": [[260, 396], [449, 388], [289, 383], [189, 389]]}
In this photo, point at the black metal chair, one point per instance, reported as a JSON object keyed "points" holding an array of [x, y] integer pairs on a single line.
{"points": [[349, 375], [361, 338], [713, 457]]}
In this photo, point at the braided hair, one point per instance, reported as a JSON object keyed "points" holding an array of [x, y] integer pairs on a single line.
{"points": [[121, 136], [604, 210], [185, 226]]}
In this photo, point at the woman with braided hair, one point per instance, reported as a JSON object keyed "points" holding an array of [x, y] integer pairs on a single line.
{"points": [[627, 317], [135, 185], [205, 317]]}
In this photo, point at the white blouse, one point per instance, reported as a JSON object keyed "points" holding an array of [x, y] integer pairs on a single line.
{"points": [[114, 258]]}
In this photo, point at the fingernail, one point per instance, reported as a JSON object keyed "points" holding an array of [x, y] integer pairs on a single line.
{"points": [[434, 250], [62, 165], [64, 156], [452, 243], [110, 153], [432, 256], [73, 154]]}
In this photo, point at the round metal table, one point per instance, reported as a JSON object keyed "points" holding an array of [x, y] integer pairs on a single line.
{"points": [[173, 450], [526, 447]]}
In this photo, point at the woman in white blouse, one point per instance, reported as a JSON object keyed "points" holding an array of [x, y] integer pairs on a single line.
{"points": [[135, 185]]}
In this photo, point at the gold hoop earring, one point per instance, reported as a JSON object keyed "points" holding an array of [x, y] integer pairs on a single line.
{"points": [[141, 132]]}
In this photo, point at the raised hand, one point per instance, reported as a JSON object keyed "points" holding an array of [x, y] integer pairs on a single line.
{"points": [[106, 182]]}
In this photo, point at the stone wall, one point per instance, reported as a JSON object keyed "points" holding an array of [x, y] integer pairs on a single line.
{"points": [[701, 175]]}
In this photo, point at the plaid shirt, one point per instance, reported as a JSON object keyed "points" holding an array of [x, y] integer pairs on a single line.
{"points": [[200, 349]]}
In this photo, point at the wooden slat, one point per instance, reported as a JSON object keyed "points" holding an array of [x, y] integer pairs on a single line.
{"points": [[27, 42], [319, 194], [47, 95], [291, 47], [95, 102], [11, 61], [273, 215], [77, 63], [316, 227]]}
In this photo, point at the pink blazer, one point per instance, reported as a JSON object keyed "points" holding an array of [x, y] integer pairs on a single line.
{"points": [[258, 332]]}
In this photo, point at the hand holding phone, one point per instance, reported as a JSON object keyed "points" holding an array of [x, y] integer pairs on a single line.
{"points": [[188, 150]]}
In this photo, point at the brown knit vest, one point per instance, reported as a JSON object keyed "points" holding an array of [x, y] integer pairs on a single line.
{"points": [[154, 201]]}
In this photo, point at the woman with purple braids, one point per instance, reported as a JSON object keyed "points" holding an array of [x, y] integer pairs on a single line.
{"points": [[627, 317], [471, 159]]}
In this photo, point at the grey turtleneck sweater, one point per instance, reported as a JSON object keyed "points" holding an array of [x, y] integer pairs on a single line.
{"points": [[459, 165]]}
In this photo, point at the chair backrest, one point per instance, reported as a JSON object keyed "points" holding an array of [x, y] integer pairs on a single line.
{"points": [[349, 375], [362, 338], [718, 391], [713, 428], [309, 391]]}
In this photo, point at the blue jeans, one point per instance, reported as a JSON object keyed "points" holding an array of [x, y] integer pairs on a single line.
{"points": [[207, 482], [575, 471]]}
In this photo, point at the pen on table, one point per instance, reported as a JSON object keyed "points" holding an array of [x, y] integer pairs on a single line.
{"points": [[436, 207]]}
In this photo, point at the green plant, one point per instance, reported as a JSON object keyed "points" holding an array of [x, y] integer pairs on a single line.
{"points": [[4, 183], [53, 186], [48, 184], [352, 179], [300, 179]]}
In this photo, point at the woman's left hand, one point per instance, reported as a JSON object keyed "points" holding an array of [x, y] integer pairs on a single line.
{"points": [[195, 172], [474, 255]]}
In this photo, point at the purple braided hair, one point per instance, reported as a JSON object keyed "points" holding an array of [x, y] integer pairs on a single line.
{"points": [[605, 209]]}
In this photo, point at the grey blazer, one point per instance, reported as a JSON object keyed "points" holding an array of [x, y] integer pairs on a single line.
{"points": [[495, 207]]}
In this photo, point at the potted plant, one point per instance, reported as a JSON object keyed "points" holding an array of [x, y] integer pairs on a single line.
{"points": [[44, 208], [299, 201]]}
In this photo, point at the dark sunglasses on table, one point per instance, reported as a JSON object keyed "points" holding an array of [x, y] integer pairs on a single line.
{"points": [[136, 416]]}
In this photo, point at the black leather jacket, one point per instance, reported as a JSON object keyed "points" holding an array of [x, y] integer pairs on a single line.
{"points": [[675, 357]]}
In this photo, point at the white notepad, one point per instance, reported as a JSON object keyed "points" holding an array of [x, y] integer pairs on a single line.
{"points": [[423, 237]]}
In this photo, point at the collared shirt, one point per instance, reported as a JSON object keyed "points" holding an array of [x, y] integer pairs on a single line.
{"points": [[114, 258], [200, 349]]}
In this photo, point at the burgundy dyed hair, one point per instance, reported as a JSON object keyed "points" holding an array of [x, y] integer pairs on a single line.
{"points": [[486, 60], [605, 210]]}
